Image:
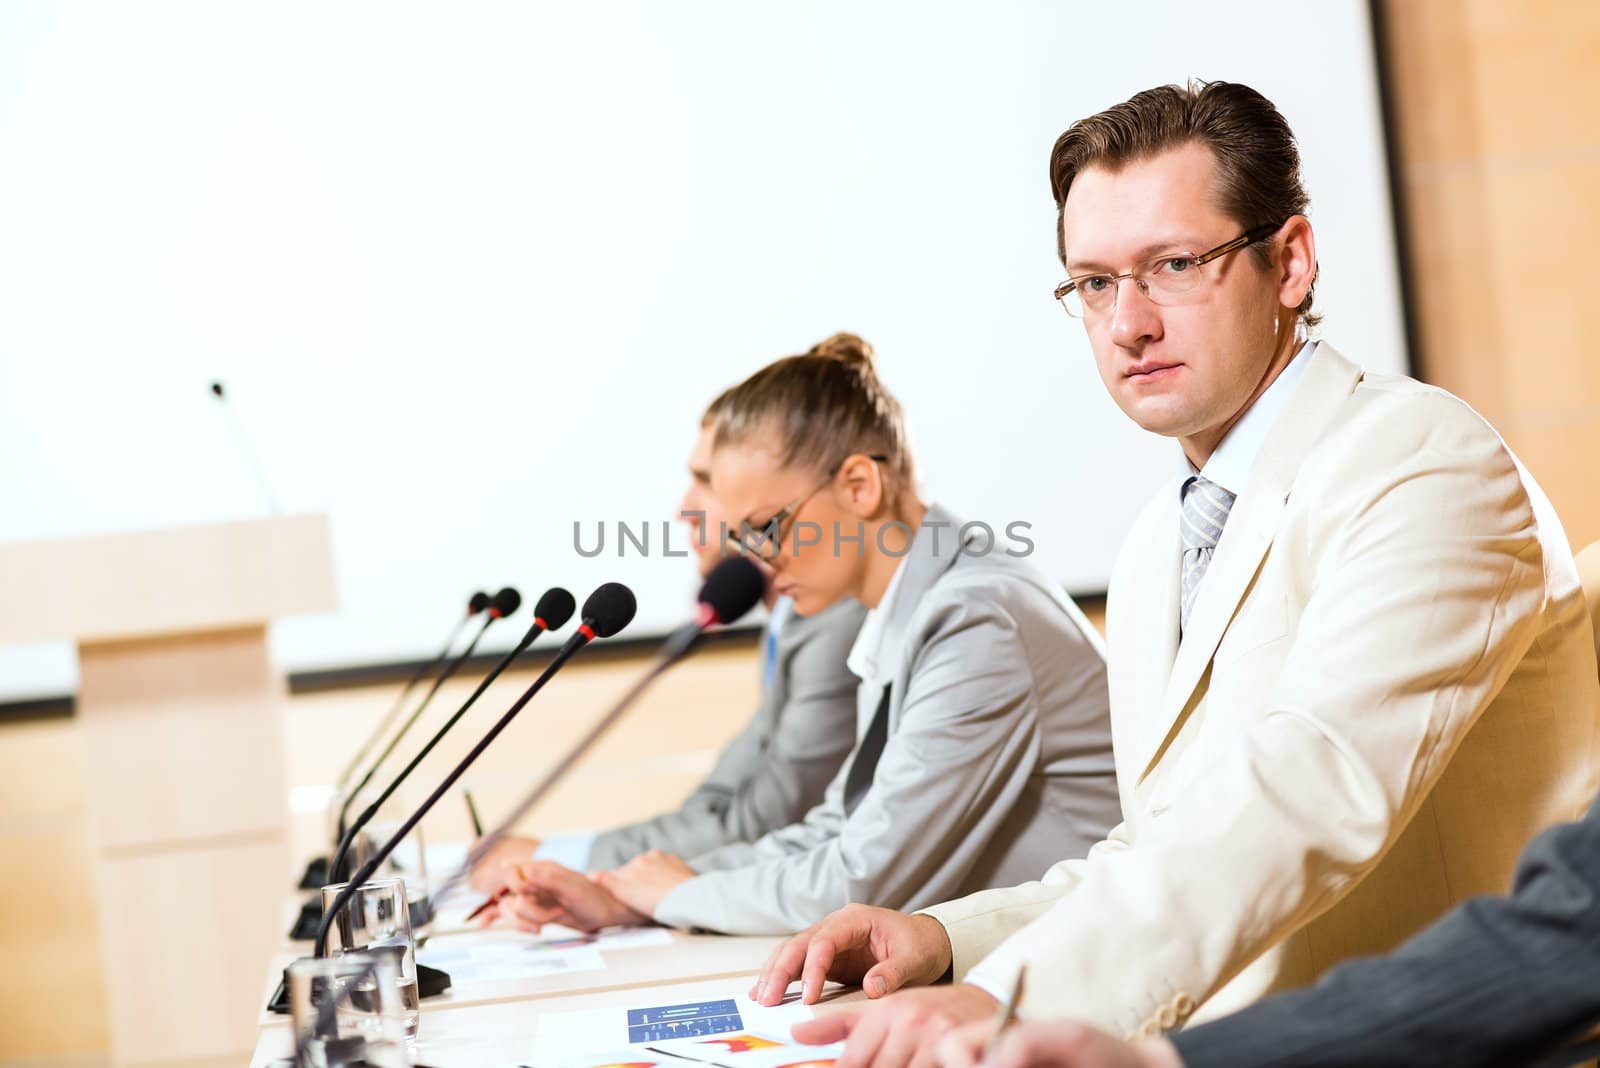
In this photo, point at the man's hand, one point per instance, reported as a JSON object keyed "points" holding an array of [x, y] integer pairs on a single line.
{"points": [[1052, 1045], [646, 879], [902, 1031], [491, 872], [542, 891], [880, 949]]}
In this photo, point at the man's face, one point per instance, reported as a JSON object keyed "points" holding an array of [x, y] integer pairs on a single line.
{"points": [[699, 508], [1185, 371]]}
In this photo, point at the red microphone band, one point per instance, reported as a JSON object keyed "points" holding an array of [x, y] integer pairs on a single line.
{"points": [[705, 616], [542, 624], [586, 630], [494, 613]]}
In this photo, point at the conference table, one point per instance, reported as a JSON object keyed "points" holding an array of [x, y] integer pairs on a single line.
{"points": [[494, 1021]]}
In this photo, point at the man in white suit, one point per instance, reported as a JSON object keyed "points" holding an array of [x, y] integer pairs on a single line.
{"points": [[1350, 669]]}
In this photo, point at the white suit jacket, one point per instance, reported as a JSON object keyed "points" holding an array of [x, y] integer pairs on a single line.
{"points": [[1386, 688]]}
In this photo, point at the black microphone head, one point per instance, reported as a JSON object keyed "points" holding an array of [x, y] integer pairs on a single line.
{"points": [[505, 603], [555, 607], [609, 609], [216, 387], [733, 588], [478, 603]]}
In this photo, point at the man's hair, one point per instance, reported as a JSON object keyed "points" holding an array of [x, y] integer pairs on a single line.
{"points": [[1258, 162], [708, 418]]}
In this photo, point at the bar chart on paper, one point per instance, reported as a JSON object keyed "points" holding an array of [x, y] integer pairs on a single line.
{"points": [[716, 1028], [662, 1022]]}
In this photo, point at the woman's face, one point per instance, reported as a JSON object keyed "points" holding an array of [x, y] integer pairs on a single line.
{"points": [[807, 559]]}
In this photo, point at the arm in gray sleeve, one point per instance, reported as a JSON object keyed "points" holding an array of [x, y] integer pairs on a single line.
{"points": [[766, 777], [820, 826], [966, 742], [1497, 981]]}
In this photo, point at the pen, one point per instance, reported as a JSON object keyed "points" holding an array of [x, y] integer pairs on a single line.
{"points": [[1007, 1014], [490, 900], [472, 810]]}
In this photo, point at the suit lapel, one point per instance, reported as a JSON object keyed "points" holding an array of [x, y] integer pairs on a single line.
{"points": [[1245, 539], [1151, 627], [922, 568], [1251, 527], [874, 708]]}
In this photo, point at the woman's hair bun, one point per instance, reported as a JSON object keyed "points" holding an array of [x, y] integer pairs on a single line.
{"points": [[847, 349], [818, 407]]}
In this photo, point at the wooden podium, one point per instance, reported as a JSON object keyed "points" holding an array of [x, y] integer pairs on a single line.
{"points": [[179, 710]]}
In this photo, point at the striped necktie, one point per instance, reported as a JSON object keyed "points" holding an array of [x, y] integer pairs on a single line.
{"points": [[1204, 513]]}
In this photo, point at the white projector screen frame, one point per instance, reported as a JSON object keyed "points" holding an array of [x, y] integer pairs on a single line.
{"points": [[471, 271]]}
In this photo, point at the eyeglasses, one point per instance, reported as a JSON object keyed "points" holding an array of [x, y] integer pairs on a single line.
{"points": [[766, 541], [1166, 280]]}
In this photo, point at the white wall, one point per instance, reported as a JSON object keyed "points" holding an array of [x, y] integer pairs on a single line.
{"points": [[472, 270]]}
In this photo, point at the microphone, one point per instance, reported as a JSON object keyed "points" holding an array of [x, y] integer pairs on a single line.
{"points": [[475, 606], [501, 605], [551, 613], [609, 608], [241, 441], [732, 589], [316, 873]]}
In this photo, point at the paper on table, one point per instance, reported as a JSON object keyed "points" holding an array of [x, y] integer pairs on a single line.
{"points": [[496, 956], [575, 1039], [747, 1049], [775, 1055], [556, 936], [626, 938], [635, 1057]]}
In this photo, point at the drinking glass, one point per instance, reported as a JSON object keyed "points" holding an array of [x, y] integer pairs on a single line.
{"points": [[408, 862], [347, 1010], [377, 921]]}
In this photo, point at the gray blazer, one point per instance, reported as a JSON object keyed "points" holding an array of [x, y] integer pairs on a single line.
{"points": [[983, 756], [778, 766], [1498, 981]]}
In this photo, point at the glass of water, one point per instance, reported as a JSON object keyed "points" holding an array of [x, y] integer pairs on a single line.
{"points": [[409, 862], [377, 921], [347, 1010]]}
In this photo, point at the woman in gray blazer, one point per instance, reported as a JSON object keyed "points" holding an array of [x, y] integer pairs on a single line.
{"points": [[983, 746], [779, 764]]}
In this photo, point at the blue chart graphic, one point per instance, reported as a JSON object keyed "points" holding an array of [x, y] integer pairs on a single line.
{"points": [[683, 1021]]}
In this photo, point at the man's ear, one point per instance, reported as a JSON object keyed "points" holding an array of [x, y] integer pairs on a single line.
{"points": [[1297, 261], [859, 483]]}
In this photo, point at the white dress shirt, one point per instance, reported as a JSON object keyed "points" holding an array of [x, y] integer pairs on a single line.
{"points": [[1229, 466], [868, 651]]}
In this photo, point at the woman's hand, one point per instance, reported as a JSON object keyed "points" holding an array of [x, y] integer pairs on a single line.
{"points": [[542, 891], [646, 879]]}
